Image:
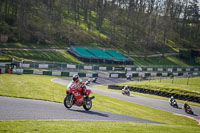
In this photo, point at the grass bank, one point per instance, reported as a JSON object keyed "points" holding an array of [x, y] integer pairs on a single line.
{"points": [[91, 127], [162, 60], [59, 56]]}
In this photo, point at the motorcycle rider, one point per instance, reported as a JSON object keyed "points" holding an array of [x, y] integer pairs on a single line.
{"points": [[78, 84], [172, 100], [185, 105], [126, 89]]}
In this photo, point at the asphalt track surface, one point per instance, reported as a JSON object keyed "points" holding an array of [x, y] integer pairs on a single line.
{"points": [[29, 109], [150, 102]]}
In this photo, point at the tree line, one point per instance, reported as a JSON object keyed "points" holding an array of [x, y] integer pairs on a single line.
{"points": [[149, 24]]}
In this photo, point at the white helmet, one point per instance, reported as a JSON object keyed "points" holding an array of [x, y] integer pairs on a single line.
{"points": [[172, 97], [75, 77]]}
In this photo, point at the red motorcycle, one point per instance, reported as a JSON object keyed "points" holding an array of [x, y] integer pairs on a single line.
{"points": [[188, 110], [126, 92], [74, 97]]}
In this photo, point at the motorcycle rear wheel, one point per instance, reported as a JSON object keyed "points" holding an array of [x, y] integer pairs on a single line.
{"points": [[88, 105], [67, 102], [176, 105]]}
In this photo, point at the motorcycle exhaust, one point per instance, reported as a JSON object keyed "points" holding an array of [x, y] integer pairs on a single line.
{"points": [[92, 97]]}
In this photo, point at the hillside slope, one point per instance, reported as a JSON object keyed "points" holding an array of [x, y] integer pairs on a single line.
{"points": [[116, 24]]}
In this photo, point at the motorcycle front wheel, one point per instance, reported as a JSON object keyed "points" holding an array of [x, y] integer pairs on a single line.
{"points": [[88, 105], [68, 101]]}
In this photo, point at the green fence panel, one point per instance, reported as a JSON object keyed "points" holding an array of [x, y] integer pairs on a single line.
{"points": [[135, 75], [65, 74], [122, 75], [57, 66], [7, 65], [50, 66], [144, 69], [47, 72], [28, 72], [63, 65], [95, 75], [159, 74], [154, 69], [79, 66], [34, 65], [180, 74], [109, 68], [133, 68], [164, 69], [95, 67], [82, 74], [174, 69], [147, 74], [169, 74]]}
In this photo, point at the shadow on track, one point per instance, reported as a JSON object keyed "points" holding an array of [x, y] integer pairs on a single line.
{"points": [[195, 114], [90, 112]]}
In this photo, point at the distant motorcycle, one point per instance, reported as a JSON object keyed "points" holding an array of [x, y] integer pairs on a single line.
{"points": [[188, 109], [128, 77], [126, 92], [174, 104], [94, 80], [87, 82], [74, 97]]}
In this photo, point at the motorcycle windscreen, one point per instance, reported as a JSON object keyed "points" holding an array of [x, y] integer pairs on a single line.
{"points": [[69, 85]]}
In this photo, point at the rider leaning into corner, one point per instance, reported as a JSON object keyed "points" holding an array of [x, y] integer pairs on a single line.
{"points": [[185, 105], [126, 88], [78, 84], [172, 99]]}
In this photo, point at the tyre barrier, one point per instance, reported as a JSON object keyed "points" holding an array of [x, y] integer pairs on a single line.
{"points": [[158, 93]]}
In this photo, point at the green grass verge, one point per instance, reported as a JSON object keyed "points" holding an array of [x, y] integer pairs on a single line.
{"points": [[91, 127], [176, 85], [41, 87], [167, 61], [57, 44], [60, 56]]}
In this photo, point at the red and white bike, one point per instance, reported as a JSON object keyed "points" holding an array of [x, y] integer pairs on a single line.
{"points": [[75, 97]]}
